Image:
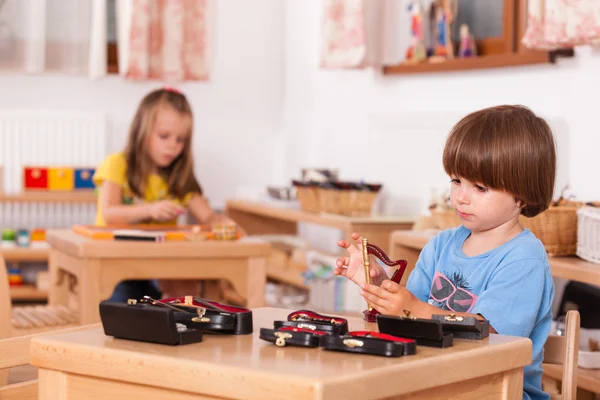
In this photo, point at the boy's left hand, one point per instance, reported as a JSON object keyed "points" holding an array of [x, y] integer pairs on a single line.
{"points": [[390, 298]]}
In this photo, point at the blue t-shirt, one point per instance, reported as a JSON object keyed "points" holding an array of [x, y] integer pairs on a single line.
{"points": [[511, 286]]}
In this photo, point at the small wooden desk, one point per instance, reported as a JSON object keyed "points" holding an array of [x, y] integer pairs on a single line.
{"points": [[98, 265], [257, 219], [89, 365], [408, 245]]}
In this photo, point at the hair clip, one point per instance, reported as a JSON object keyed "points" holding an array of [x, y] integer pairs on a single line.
{"points": [[171, 89]]}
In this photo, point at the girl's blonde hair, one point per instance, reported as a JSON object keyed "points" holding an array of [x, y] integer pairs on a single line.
{"points": [[179, 175], [506, 148]]}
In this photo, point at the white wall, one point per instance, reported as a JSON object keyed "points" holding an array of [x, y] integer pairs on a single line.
{"points": [[392, 128], [237, 113]]}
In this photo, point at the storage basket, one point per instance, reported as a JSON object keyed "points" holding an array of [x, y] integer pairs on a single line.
{"points": [[308, 196], [445, 219], [350, 202], [556, 228], [588, 234]]}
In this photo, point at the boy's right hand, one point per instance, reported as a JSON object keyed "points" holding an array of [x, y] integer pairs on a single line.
{"points": [[352, 267], [165, 210]]}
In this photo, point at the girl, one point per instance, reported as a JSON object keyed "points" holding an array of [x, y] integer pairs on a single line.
{"points": [[502, 164], [153, 180]]}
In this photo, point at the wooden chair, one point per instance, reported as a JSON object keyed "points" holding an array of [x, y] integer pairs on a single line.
{"points": [[17, 327], [564, 350]]}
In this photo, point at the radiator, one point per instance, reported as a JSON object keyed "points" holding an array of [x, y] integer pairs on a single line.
{"points": [[47, 138]]}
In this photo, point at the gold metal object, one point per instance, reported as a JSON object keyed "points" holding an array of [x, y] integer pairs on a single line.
{"points": [[131, 301], [367, 265], [453, 317], [353, 343], [200, 319], [407, 315], [281, 336]]}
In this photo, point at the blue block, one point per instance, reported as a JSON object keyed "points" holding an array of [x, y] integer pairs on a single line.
{"points": [[83, 178]]}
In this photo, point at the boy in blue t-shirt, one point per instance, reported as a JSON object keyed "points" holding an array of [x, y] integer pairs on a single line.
{"points": [[502, 162]]}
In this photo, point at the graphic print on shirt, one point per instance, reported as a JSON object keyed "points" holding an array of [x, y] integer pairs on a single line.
{"points": [[452, 294]]}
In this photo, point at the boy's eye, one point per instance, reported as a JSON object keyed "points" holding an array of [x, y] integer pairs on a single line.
{"points": [[456, 181], [481, 188], [163, 136], [180, 140]]}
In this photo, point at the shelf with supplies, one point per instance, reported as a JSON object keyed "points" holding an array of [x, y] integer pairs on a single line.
{"points": [[474, 63], [27, 293], [84, 196]]}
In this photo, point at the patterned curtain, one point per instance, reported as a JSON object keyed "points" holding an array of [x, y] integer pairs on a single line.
{"points": [[344, 34], [167, 40], [553, 24]]}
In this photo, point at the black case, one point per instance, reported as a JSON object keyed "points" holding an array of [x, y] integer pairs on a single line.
{"points": [[330, 329], [289, 336], [427, 332], [372, 343], [216, 317], [464, 327], [312, 317], [145, 323]]}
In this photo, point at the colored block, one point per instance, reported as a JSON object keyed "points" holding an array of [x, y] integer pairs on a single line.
{"points": [[83, 178], [36, 178], [61, 179]]}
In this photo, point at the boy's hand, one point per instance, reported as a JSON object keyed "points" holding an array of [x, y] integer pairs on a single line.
{"points": [[165, 210], [355, 270], [391, 298]]}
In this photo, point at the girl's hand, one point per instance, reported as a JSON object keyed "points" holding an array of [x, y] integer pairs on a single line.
{"points": [[355, 270], [165, 210], [391, 298]]}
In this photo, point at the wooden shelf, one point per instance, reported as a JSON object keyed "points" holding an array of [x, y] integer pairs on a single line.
{"points": [[290, 277], [575, 269], [481, 62], [86, 196], [24, 254], [27, 292]]}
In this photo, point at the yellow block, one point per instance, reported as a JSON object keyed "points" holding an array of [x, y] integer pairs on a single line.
{"points": [[61, 179]]}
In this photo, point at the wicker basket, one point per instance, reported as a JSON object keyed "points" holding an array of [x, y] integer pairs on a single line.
{"points": [[445, 219], [588, 234], [346, 202], [308, 196], [556, 228]]}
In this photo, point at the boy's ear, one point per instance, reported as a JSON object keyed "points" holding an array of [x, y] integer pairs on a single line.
{"points": [[520, 203]]}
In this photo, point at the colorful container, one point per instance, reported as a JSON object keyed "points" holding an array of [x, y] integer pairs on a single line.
{"points": [[15, 278], [35, 178], [61, 179], [9, 238], [83, 178]]}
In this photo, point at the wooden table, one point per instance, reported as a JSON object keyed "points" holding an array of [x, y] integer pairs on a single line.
{"points": [[98, 265], [408, 245], [257, 218], [89, 365]]}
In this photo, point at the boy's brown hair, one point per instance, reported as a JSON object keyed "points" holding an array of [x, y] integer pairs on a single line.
{"points": [[505, 148], [180, 174]]}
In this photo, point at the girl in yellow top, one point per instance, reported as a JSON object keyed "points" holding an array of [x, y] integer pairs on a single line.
{"points": [[153, 180]]}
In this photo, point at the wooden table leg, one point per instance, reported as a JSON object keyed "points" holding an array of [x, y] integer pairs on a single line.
{"points": [[257, 281], [58, 288], [90, 292]]}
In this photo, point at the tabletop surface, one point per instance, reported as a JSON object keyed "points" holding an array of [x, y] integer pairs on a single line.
{"points": [[248, 367], [77, 245]]}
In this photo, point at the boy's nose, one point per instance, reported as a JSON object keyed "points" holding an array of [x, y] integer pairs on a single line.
{"points": [[463, 196]]}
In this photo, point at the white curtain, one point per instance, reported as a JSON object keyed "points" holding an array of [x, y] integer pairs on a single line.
{"points": [[65, 36]]}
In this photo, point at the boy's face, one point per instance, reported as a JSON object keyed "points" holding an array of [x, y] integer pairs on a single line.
{"points": [[480, 208], [168, 136]]}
